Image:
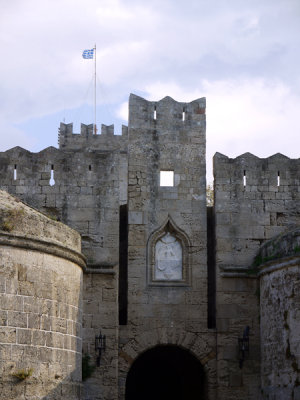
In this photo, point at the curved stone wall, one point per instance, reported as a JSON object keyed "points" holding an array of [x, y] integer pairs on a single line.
{"points": [[280, 317], [40, 305]]}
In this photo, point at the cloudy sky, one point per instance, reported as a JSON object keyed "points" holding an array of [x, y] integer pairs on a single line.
{"points": [[244, 56]]}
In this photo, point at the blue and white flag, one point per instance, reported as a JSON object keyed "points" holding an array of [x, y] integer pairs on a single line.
{"points": [[88, 53]]}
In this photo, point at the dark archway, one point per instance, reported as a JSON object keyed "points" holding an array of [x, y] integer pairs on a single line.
{"points": [[166, 373]]}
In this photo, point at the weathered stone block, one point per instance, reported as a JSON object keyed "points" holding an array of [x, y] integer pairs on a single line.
{"points": [[7, 335], [9, 302], [24, 336], [3, 318], [17, 319], [135, 218], [222, 324], [235, 379]]}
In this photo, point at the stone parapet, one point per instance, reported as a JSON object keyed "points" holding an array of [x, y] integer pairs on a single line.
{"points": [[88, 139]]}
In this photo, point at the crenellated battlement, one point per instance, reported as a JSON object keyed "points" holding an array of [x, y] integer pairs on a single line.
{"points": [[87, 139], [248, 172], [166, 112], [67, 186], [255, 199]]}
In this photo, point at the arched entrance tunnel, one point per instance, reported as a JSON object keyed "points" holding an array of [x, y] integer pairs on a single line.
{"points": [[166, 373]]}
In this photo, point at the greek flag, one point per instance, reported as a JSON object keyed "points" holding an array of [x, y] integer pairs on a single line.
{"points": [[88, 53]]}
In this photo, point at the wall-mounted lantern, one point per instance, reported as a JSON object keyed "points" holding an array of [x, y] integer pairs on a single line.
{"points": [[100, 345], [244, 345]]}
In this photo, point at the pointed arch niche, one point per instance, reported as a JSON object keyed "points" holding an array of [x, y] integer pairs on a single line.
{"points": [[168, 260]]}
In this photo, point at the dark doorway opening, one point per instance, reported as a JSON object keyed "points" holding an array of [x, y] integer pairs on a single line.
{"points": [[166, 373]]}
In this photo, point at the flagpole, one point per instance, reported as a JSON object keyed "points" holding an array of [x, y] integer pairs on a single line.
{"points": [[95, 127]]}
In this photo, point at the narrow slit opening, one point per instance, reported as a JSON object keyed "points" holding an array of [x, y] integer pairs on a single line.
{"points": [[183, 115], [90, 167], [278, 178], [52, 181], [15, 172], [154, 113], [245, 179]]}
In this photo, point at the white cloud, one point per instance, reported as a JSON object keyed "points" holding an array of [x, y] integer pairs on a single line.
{"points": [[16, 137], [42, 41], [113, 10], [243, 56], [252, 115], [122, 112]]}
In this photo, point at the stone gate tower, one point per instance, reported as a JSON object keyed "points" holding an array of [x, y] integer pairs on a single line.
{"points": [[167, 274]]}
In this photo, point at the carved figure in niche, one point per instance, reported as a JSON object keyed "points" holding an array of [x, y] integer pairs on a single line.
{"points": [[168, 258]]}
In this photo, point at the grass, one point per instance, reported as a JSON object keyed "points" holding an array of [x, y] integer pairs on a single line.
{"points": [[9, 219], [23, 374]]}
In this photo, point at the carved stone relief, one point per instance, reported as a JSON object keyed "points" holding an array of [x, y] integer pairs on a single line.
{"points": [[168, 258]]}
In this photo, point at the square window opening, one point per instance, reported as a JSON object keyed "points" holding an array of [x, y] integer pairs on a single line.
{"points": [[166, 178]]}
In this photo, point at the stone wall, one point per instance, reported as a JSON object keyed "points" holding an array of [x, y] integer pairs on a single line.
{"points": [[40, 305], [89, 187], [280, 316], [100, 304], [255, 199], [85, 195], [106, 141]]}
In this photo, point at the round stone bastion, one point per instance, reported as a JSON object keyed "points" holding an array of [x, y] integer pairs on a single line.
{"points": [[41, 270], [280, 316]]}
